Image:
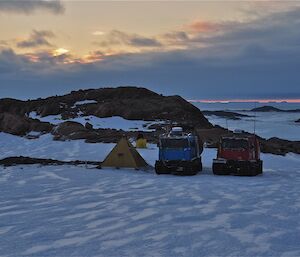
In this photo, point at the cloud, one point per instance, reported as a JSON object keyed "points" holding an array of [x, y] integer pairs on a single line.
{"points": [[98, 33], [10, 63], [3, 44], [60, 51], [175, 38], [36, 39], [204, 26], [94, 57], [31, 6], [275, 33], [117, 37], [251, 59]]}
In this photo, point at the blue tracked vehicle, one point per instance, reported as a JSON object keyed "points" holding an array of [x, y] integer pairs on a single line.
{"points": [[179, 153]]}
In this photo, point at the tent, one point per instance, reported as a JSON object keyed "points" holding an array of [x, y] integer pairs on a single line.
{"points": [[124, 155]]}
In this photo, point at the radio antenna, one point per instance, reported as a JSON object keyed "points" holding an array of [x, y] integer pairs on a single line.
{"points": [[254, 121]]}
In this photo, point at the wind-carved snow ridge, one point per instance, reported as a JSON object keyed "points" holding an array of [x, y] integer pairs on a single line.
{"points": [[77, 211], [129, 213]]}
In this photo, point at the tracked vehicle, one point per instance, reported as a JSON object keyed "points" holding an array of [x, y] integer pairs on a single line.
{"points": [[179, 153], [238, 155]]}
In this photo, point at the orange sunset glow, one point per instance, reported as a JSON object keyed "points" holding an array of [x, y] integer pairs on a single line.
{"points": [[150, 128], [246, 101], [200, 50]]}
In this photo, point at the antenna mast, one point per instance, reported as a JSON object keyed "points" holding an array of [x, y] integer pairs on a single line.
{"points": [[254, 125]]}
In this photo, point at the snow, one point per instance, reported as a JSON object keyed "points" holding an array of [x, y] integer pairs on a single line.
{"points": [[236, 106], [84, 211], [78, 211], [85, 102], [267, 124], [110, 122], [34, 133], [45, 147], [54, 119], [270, 124]]}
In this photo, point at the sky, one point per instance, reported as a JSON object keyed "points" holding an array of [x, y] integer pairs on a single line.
{"points": [[198, 49]]}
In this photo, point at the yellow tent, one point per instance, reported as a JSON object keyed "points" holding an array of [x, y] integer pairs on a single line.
{"points": [[141, 143], [124, 155]]}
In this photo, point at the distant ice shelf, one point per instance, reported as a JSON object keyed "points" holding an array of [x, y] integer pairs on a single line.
{"points": [[271, 124]]}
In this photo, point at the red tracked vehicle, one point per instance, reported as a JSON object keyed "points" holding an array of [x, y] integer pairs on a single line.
{"points": [[238, 155]]}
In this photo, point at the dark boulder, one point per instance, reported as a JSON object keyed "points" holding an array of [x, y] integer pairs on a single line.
{"points": [[21, 125], [13, 106], [69, 130], [49, 109], [13, 124], [88, 126], [37, 125], [279, 146]]}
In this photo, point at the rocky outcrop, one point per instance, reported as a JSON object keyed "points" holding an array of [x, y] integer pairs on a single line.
{"points": [[21, 160], [88, 126], [226, 114], [70, 130], [128, 102], [279, 146], [298, 121], [13, 124], [20, 125], [212, 136], [273, 145], [13, 106], [267, 108]]}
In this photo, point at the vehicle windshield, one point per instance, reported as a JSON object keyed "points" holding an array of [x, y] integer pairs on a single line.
{"points": [[231, 143], [174, 143]]}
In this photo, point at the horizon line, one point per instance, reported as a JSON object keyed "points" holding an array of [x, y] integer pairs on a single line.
{"points": [[285, 100]]}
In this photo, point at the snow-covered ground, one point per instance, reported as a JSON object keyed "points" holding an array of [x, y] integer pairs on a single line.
{"points": [[45, 147], [78, 211], [267, 124], [83, 211], [111, 122]]}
